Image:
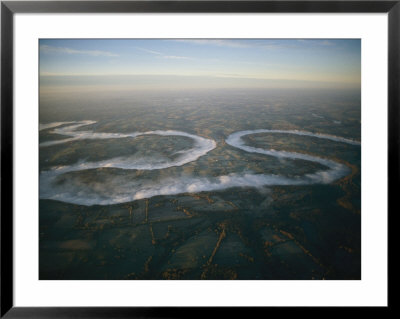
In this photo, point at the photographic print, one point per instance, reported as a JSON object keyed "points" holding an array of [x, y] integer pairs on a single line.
{"points": [[192, 159]]}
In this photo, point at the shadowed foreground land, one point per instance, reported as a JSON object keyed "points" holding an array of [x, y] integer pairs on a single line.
{"points": [[235, 235]]}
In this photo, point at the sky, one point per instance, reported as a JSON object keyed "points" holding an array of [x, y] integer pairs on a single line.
{"points": [[199, 63]]}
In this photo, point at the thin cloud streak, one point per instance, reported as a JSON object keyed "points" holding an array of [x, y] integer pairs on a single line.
{"points": [[216, 42], [234, 43], [164, 56], [62, 50], [255, 43], [150, 51]]}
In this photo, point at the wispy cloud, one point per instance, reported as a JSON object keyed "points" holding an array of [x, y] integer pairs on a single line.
{"points": [[271, 45], [62, 50], [237, 44], [164, 56], [149, 51], [217, 42]]}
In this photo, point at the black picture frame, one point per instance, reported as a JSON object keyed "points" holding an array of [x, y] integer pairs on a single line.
{"points": [[9, 8]]}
